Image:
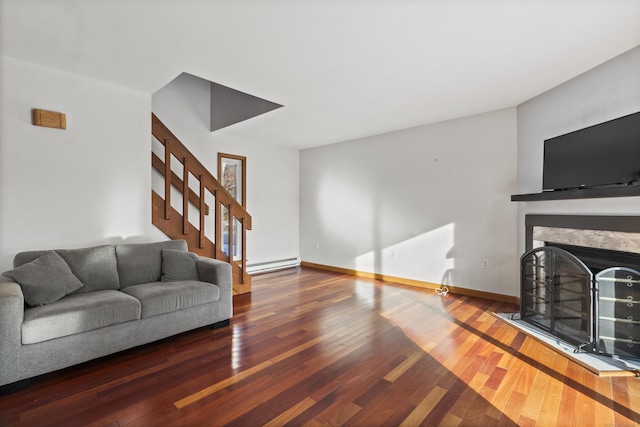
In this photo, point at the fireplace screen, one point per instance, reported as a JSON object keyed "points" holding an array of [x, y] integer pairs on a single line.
{"points": [[556, 295], [618, 312]]}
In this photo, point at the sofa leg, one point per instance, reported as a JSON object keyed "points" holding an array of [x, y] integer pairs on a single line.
{"points": [[13, 387], [220, 324]]}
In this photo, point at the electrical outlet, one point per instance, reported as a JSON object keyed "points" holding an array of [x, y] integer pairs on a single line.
{"points": [[394, 253], [485, 263], [316, 245]]}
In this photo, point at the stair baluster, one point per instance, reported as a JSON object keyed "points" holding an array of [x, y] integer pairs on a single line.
{"points": [[176, 224]]}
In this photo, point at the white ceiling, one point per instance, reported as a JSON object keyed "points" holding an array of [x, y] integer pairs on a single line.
{"points": [[343, 69]]}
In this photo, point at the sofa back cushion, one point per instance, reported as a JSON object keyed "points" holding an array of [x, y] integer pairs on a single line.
{"points": [[142, 262], [96, 267]]}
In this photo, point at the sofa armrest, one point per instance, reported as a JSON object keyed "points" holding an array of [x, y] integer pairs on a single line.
{"points": [[216, 272], [11, 319]]}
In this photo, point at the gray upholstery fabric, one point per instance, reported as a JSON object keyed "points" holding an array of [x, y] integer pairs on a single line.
{"points": [[78, 313], [218, 272], [164, 297], [45, 279], [214, 271], [11, 317], [28, 256], [96, 267], [142, 262], [179, 265]]}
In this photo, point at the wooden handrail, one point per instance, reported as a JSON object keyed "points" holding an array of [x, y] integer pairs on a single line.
{"points": [[179, 151], [207, 182]]}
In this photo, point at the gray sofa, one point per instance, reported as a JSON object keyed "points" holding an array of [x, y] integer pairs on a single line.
{"points": [[63, 307]]}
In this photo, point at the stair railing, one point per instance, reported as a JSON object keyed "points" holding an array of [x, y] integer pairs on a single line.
{"points": [[176, 224]]}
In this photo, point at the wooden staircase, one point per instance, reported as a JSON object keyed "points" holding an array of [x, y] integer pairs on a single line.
{"points": [[229, 217]]}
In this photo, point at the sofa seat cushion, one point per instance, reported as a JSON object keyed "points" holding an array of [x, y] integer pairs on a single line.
{"points": [[78, 313], [164, 297]]}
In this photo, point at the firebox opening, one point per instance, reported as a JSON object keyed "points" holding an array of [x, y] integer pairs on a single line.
{"points": [[600, 259]]}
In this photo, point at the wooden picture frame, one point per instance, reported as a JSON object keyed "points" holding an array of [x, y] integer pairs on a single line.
{"points": [[232, 175]]}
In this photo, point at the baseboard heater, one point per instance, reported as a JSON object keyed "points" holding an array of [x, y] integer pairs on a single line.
{"points": [[264, 267]]}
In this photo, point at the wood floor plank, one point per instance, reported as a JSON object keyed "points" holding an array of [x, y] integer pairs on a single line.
{"points": [[221, 385], [403, 367], [424, 408], [533, 404], [344, 415], [291, 413], [315, 348], [552, 397]]}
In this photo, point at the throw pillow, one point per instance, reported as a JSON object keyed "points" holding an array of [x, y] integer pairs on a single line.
{"points": [[179, 265], [45, 279]]}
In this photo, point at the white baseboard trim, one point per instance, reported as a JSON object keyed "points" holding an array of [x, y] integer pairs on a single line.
{"points": [[264, 267]]}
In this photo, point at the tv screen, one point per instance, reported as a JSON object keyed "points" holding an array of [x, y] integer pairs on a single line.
{"points": [[604, 154]]}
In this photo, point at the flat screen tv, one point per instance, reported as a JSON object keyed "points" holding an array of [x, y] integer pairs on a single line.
{"points": [[601, 155]]}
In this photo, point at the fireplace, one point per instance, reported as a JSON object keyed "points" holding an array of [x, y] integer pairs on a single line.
{"points": [[588, 296]]}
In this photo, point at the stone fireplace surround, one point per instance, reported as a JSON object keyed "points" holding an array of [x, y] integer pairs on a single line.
{"points": [[619, 233]]}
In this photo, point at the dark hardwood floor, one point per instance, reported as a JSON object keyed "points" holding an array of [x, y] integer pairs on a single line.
{"points": [[316, 348]]}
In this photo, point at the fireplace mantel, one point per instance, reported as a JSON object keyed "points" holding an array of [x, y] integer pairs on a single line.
{"points": [[579, 193]]}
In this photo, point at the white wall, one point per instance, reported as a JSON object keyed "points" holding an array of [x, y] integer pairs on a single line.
{"points": [[606, 92], [88, 184], [272, 171], [428, 203]]}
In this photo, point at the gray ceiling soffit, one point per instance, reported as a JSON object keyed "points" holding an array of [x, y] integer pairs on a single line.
{"points": [[229, 106]]}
